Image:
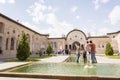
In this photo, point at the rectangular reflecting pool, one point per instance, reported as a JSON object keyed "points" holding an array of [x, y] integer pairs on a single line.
{"points": [[70, 69]]}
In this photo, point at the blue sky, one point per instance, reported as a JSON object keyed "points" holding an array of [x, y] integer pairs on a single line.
{"points": [[58, 17]]}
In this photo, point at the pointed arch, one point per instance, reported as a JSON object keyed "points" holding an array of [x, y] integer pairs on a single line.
{"points": [[7, 41], [28, 37], [12, 44], [1, 27]]}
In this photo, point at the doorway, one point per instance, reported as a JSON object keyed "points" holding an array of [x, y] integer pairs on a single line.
{"points": [[73, 45]]}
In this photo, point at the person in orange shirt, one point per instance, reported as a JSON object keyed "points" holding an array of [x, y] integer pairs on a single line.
{"points": [[92, 52]]}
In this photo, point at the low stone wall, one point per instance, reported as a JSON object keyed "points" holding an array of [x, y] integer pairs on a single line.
{"points": [[60, 77]]}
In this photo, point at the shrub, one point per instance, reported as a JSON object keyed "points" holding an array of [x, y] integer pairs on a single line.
{"points": [[40, 53], [49, 49], [109, 49], [23, 50]]}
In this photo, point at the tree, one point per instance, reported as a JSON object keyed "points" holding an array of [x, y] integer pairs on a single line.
{"points": [[23, 50], [49, 49], [40, 52], [109, 50]]}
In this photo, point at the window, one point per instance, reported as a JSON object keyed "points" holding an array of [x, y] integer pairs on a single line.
{"points": [[28, 37], [113, 36], [22, 32], [75, 36], [18, 35], [7, 44], [66, 47], [0, 42], [55, 44], [1, 27], [7, 32], [12, 44], [13, 31], [52, 44], [17, 44], [102, 46], [70, 47]]}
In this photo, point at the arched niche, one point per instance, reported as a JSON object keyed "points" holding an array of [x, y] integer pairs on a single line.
{"points": [[1, 27]]}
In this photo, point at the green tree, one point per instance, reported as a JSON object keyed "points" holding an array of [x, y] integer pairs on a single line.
{"points": [[49, 49], [109, 50], [23, 50], [40, 52]]}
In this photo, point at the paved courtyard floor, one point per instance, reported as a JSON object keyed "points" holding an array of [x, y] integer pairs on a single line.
{"points": [[55, 59], [11, 78], [6, 65], [107, 60]]}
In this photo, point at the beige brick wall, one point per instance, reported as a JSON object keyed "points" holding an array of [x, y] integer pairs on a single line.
{"points": [[100, 44], [113, 41], [37, 41], [13, 30], [57, 43], [118, 42]]}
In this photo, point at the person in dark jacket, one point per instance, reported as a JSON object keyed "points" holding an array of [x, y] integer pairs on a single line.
{"points": [[83, 52]]}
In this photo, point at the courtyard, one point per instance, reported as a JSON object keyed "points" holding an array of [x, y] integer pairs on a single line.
{"points": [[38, 39], [54, 59]]}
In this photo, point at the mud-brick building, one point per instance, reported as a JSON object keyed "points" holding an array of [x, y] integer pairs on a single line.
{"points": [[11, 31]]}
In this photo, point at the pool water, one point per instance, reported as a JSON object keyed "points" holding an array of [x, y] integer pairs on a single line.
{"points": [[70, 69]]}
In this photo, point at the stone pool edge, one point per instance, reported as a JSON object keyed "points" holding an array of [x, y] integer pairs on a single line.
{"points": [[61, 77]]}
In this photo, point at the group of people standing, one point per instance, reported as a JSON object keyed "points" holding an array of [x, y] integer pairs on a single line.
{"points": [[87, 51]]}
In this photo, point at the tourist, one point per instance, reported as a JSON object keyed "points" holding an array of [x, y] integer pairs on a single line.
{"points": [[77, 53], [83, 52], [87, 49], [92, 52]]}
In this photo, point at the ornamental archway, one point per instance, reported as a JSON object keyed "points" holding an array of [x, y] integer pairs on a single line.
{"points": [[75, 37]]}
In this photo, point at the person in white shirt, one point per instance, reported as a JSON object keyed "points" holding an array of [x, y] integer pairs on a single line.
{"points": [[87, 49], [77, 52]]}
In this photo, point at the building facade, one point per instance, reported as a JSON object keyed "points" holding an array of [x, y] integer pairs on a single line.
{"points": [[11, 32]]}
